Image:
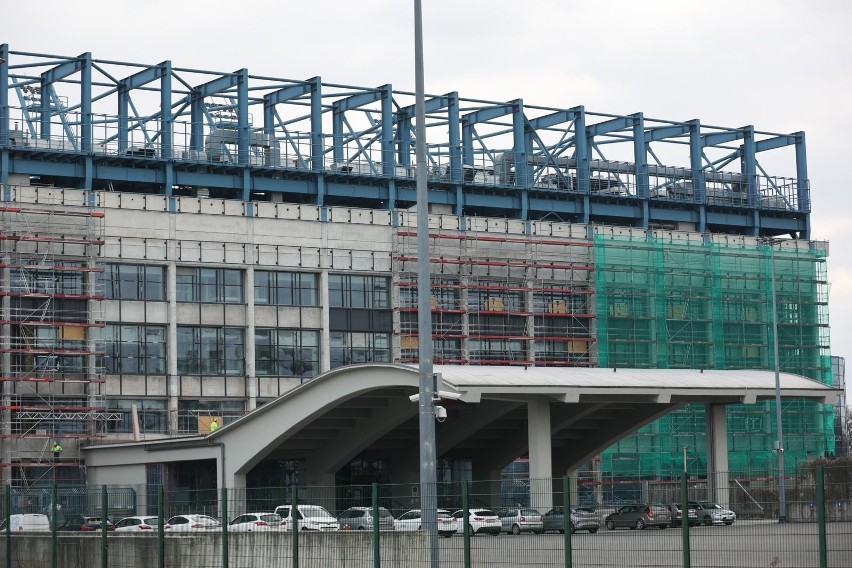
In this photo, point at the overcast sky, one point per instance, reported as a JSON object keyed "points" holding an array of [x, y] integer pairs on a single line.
{"points": [[780, 65]]}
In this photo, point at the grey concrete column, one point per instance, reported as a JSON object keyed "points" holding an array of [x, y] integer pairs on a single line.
{"points": [[171, 341], [325, 333], [251, 371], [541, 462], [717, 453]]}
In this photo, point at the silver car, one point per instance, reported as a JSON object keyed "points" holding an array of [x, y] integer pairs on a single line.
{"points": [[712, 514], [361, 519], [582, 519], [519, 520]]}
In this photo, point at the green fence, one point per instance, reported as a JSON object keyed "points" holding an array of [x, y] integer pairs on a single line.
{"points": [[518, 522]]}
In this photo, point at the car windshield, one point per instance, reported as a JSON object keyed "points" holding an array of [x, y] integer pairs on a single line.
{"points": [[484, 513], [529, 512], [710, 506], [384, 513], [270, 518], [313, 511]]}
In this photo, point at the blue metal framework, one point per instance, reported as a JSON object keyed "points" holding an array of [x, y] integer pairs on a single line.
{"points": [[86, 123]]}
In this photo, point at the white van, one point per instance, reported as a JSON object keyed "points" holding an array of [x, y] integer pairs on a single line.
{"points": [[33, 522], [311, 518]]}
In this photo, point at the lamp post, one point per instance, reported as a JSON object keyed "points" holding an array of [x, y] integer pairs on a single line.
{"points": [[425, 399], [779, 441]]}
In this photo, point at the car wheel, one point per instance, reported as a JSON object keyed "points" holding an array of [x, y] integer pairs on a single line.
{"points": [[561, 531], [661, 527], [610, 526], [446, 535], [593, 531], [571, 526], [675, 524], [516, 530], [729, 523], [470, 530], [707, 521], [640, 524]]}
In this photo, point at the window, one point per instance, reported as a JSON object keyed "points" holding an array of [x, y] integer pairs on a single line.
{"points": [[134, 282], [153, 416], [210, 350], [349, 348], [286, 352], [213, 285], [286, 288], [354, 291], [135, 349], [189, 412]]}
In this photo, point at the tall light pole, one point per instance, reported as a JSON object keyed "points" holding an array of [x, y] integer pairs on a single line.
{"points": [[779, 442], [425, 400]]}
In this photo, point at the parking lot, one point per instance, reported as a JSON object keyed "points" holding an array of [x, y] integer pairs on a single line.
{"points": [[746, 544]]}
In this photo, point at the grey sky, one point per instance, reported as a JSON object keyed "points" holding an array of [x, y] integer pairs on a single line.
{"points": [[780, 65]]}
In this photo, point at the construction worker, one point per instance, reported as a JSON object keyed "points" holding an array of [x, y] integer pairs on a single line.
{"points": [[56, 449], [214, 425]]}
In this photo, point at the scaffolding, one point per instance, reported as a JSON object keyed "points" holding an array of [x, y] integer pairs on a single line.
{"points": [[690, 301], [50, 343], [499, 298]]}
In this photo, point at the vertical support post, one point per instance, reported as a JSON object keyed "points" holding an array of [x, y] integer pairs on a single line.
{"points": [[388, 161], [224, 498], [294, 515], [820, 503], [583, 157], [85, 103], [316, 125], [166, 120], [699, 188], [426, 390], [104, 519], [196, 126], [123, 117], [336, 132], [716, 427], [803, 190], [161, 529], [566, 521], [779, 442], [684, 518], [455, 139], [54, 521], [4, 97], [466, 522], [244, 139], [377, 545], [640, 156], [749, 166], [8, 507]]}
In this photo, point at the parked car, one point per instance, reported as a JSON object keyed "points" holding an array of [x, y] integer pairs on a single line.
{"points": [[27, 522], [310, 517], [582, 519], [677, 515], [520, 519], [249, 522], [84, 523], [410, 521], [188, 523], [137, 524], [712, 514], [479, 521], [361, 519], [639, 516]]}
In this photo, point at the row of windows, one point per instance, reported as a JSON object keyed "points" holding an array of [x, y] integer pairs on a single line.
{"points": [[141, 349], [222, 285]]}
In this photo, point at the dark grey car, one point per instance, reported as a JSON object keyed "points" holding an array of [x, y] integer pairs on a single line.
{"points": [[361, 519], [640, 516], [582, 519]]}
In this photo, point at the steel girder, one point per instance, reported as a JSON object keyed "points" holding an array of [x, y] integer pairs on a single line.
{"points": [[161, 127]]}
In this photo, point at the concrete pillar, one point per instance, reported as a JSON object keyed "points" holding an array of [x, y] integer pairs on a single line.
{"points": [[251, 372], [325, 333], [236, 495], [171, 340], [717, 453], [541, 463]]}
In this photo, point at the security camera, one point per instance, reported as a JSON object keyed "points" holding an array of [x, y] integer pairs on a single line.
{"points": [[440, 413]]}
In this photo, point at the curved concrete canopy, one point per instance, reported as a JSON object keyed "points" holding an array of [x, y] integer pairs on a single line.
{"points": [[333, 418]]}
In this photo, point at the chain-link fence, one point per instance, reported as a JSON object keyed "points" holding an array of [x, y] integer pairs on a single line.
{"points": [[717, 521]]}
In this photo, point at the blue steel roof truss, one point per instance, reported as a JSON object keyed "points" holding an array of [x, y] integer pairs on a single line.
{"points": [[160, 129]]}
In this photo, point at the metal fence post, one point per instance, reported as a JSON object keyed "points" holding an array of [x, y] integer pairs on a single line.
{"points": [[161, 528], [224, 499], [820, 503], [294, 523], [566, 521], [466, 523], [377, 558], [8, 504], [104, 519], [684, 518]]}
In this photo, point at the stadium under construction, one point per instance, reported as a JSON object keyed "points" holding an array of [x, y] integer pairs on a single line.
{"points": [[180, 245]]}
